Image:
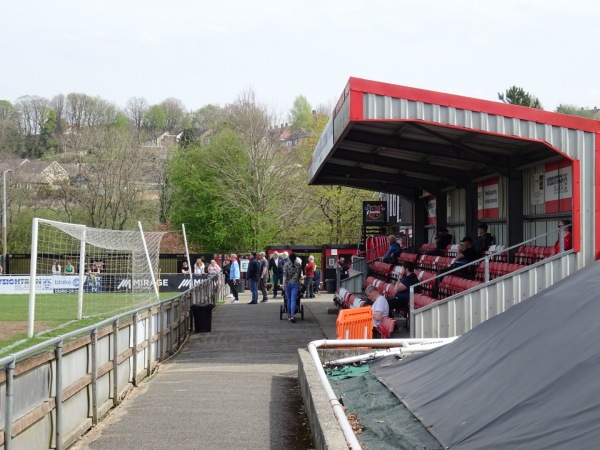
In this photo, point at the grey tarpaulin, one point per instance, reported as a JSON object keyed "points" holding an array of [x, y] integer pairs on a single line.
{"points": [[528, 378]]}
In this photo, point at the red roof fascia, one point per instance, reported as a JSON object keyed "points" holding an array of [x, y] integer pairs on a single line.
{"points": [[473, 104]]}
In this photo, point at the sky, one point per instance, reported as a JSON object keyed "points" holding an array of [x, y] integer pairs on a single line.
{"points": [[210, 52]]}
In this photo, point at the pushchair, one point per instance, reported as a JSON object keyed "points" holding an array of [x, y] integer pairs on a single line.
{"points": [[299, 308]]}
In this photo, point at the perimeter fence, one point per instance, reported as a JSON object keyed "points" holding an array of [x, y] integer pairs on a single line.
{"points": [[54, 392]]}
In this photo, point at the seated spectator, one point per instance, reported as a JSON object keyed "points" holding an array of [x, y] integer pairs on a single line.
{"points": [[407, 279], [466, 254], [394, 250], [380, 305], [482, 241], [568, 237], [442, 241]]}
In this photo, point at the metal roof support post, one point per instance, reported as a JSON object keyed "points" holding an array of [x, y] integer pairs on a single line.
{"points": [[470, 211], [441, 208], [419, 215], [515, 211]]}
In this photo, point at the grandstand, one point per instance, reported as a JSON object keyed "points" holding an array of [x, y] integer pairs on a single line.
{"points": [[460, 161]]}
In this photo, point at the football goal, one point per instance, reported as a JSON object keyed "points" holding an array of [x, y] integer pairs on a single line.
{"points": [[80, 272]]}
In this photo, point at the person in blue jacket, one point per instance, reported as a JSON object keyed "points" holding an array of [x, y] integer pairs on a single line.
{"points": [[394, 250]]}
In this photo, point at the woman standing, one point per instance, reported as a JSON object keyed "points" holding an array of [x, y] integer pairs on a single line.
{"points": [[292, 271], [199, 267], [213, 268], [55, 268]]}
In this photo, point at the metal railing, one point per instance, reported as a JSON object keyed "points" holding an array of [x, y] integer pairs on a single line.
{"points": [[459, 313], [57, 390]]}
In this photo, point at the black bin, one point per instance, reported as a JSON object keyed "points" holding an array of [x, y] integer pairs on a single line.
{"points": [[202, 317], [330, 286]]}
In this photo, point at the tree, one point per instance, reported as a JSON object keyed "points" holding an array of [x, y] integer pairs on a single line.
{"points": [[517, 96], [114, 194], [301, 114], [58, 105], [11, 139], [136, 109], [155, 121], [574, 110], [174, 114], [209, 117], [243, 180]]}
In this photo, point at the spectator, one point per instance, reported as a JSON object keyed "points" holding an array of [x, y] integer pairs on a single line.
{"points": [[276, 265], [184, 268], [482, 241], [264, 276], [344, 268], [253, 275], [234, 277], [94, 273], [56, 268], [442, 241], [394, 250], [69, 269], [1, 270], [402, 298], [213, 268], [227, 273], [466, 254], [568, 237], [380, 306], [199, 267], [292, 271], [309, 274], [317, 282]]}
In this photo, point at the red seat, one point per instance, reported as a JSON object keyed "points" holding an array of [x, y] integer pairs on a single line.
{"points": [[423, 300], [386, 327]]}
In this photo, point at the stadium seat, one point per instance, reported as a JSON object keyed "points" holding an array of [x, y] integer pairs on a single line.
{"points": [[386, 327]]}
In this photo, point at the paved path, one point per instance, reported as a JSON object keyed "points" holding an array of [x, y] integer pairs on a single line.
{"points": [[233, 388]]}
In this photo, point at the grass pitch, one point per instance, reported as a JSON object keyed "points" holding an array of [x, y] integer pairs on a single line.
{"points": [[56, 314]]}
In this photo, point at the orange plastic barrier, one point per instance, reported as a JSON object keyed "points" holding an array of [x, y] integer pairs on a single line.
{"points": [[356, 323]]}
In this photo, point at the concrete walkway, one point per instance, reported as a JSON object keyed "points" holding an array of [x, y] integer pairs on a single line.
{"points": [[233, 388]]}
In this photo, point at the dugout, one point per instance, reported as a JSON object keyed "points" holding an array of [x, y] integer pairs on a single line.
{"points": [[460, 161]]}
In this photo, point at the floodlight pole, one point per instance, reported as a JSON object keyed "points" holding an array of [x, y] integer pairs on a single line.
{"points": [[4, 252]]}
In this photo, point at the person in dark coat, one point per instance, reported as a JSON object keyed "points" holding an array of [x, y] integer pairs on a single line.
{"points": [[253, 275], [276, 266]]}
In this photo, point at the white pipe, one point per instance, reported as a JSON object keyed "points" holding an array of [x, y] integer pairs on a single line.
{"points": [[408, 346], [338, 409]]}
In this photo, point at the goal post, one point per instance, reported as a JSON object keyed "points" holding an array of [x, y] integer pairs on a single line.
{"points": [[79, 272]]}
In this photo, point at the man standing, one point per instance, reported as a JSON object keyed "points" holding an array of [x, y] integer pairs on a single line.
{"points": [[264, 276], [253, 277], [309, 274], [234, 277], [276, 265]]}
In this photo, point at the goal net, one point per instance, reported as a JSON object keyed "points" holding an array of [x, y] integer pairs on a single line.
{"points": [[82, 272]]}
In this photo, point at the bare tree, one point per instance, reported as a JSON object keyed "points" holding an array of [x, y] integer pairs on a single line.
{"points": [[135, 110], [58, 104], [114, 193], [32, 111]]}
